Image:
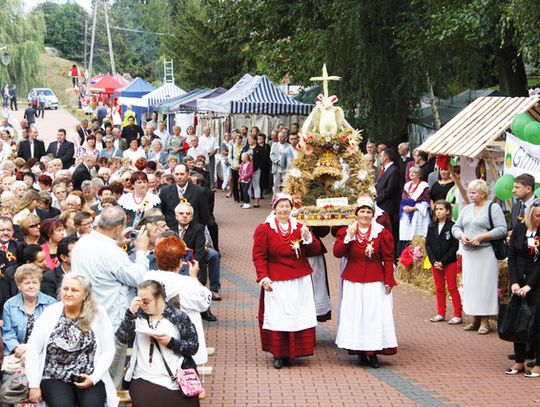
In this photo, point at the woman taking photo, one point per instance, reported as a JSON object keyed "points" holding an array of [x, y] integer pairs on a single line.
{"points": [[524, 271], [414, 209], [71, 349], [175, 343], [53, 231], [366, 324], [22, 311], [136, 203], [480, 266], [194, 297], [287, 315]]}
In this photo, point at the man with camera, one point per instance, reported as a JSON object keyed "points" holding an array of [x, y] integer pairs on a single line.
{"points": [[99, 256]]}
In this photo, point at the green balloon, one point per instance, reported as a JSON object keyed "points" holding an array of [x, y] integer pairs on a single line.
{"points": [[518, 124], [532, 132], [504, 187], [537, 192], [455, 212]]}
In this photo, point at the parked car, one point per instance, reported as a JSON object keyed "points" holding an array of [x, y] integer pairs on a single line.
{"points": [[51, 101]]}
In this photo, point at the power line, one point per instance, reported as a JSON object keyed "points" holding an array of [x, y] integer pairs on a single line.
{"points": [[136, 31]]}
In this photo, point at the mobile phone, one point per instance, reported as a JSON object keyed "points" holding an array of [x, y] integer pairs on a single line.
{"points": [[77, 378], [189, 254]]}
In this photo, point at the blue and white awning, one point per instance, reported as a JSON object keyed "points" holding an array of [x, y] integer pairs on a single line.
{"points": [[162, 94], [255, 94]]}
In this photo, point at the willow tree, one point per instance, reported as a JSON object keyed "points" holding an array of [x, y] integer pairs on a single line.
{"points": [[22, 36]]}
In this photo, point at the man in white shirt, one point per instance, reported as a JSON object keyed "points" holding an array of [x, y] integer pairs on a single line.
{"points": [[99, 257], [162, 133], [196, 150], [208, 143]]}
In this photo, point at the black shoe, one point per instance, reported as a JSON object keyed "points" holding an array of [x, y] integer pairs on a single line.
{"points": [[208, 316], [374, 361], [215, 296], [511, 356], [363, 359], [286, 361], [278, 363], [531, 364]]}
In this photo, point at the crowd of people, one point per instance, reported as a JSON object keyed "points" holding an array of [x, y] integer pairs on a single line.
{"points": [[108, 240], [412, 199]]}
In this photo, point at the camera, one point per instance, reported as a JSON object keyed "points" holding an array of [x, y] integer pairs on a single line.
{"points": [[133, 234], [189, 255]]}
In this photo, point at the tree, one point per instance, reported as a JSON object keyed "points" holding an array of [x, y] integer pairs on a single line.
{"points": [[22, 35], [65, 27]]}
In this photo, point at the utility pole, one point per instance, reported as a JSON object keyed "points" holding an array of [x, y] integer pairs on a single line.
{"points": [[91, 62], [85, 42], [109, 39]]}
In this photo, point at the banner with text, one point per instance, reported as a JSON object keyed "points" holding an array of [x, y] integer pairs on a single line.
{"points": [[521, 157]]}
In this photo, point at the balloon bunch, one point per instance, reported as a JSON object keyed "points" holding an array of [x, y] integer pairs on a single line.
{"points": [[504, 187], [526, 128]]}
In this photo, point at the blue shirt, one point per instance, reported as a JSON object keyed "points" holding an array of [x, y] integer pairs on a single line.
{"points": [[15, 319]]}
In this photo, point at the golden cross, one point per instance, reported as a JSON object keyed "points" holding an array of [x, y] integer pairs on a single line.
{"points": [[325, 78]]}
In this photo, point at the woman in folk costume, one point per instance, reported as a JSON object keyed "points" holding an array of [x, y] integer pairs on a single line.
{"points": [[287, 317], [414, 209], [366, 324]]}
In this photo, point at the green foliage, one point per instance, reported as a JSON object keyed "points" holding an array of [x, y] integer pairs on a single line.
{"points": [[65, 27], [22, 35]]}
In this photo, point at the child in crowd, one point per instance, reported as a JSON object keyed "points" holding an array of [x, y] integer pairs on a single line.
{"points": [[441, 248], [245, 172]]}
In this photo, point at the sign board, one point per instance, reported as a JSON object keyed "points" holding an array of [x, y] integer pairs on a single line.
{"points": [[521, 157], [341, 201]]}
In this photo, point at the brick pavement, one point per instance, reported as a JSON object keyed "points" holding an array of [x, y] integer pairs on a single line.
{"points": [[436, 365]]}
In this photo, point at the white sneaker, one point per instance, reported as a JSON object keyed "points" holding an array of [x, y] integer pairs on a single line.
{"points": [[437, 318], [455, 321], [246, 206]]}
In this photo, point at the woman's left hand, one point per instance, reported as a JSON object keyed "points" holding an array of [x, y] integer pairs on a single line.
{"points": [[475, 241], [388, 289], [86, 383], [304, 232], [163, 340]]}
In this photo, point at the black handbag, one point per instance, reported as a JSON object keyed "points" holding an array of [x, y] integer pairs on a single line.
{"points": [[500, 247], [516, 320]]}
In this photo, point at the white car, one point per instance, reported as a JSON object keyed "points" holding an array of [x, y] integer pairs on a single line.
{"points": [[51, 101]]}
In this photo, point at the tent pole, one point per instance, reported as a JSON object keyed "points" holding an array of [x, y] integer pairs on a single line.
{"points": [[109, 39]]}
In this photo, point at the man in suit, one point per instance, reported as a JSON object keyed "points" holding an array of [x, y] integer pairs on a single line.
{"points": [[82, 172], [62, 149], [52, 279], [524, 194], [171, 195], [118, 141], [32, 147], [389, 188], [84, 131], [193, 235], [30, 114], [404, 159]]}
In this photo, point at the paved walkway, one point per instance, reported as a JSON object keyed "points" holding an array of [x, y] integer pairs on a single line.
{"points": [[436, 365]]}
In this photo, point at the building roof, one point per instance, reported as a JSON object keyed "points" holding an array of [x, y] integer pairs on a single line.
{"points": [[478, 125]]}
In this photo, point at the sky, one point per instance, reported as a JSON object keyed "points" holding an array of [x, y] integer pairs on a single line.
{"points": [[30, 4]]}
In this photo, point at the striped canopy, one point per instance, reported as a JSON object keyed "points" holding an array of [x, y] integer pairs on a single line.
{"points": [[255, 95], [163, 93]]}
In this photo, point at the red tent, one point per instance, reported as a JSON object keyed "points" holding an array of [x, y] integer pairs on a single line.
{"points": [[107, 84]]}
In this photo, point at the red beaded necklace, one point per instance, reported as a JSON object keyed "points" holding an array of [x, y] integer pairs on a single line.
{"points": [[142, 199], [413, 190], [284, 235], [361, 238]]}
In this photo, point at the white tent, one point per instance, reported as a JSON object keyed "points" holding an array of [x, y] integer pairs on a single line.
{"points": [[162, 94], [238, 91]]}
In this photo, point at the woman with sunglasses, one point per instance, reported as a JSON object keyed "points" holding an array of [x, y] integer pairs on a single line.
{"points": [[30, 228], [163, 339], [524, 271]]}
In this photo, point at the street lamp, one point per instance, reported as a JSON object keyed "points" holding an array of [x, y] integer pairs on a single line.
{"points": [[6, 56]]}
